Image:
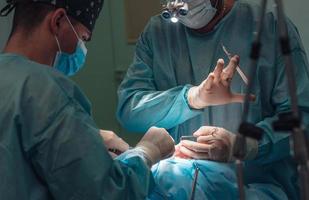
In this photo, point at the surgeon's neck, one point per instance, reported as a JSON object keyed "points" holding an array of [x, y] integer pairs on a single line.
{"points": [[224, 8], [35, 47]]}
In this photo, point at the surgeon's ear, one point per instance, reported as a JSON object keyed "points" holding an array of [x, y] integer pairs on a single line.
{"points": [[56, 20]]}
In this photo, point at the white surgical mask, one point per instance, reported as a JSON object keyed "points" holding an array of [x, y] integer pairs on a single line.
{"points": [[201, 12]]}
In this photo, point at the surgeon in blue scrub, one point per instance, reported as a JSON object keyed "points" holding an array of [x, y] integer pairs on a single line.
{"points": [[50, 146], [182, 80]]}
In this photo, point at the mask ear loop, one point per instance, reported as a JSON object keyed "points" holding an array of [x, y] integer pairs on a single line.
{"points": [[58, 44], [82, 42], [72, 27], [57, 41]]}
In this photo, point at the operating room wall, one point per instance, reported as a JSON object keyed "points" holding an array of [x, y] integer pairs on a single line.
{"points": [[110, 55], [297, 11]]}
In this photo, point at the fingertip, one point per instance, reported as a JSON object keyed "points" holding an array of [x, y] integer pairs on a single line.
{"points": [[181, 143], [196, 134], [235, 60], [220, 62], [201, 131]]}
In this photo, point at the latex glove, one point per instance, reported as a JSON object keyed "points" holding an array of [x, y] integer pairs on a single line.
{"points": [[113, 142], [214, 143], [178, 153], [157, 145], [216, 89]]}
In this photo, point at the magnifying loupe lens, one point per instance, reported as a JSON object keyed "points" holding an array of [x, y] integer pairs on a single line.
{"points": [[166, 14]]}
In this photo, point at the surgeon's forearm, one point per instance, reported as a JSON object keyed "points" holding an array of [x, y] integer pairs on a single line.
{"points": [[165, 109]]}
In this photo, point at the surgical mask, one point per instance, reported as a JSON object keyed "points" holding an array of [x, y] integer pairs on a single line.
{"points": [[70, 64], [201, 12]]}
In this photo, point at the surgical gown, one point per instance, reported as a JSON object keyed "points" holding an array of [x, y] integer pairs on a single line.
{"points": [[50, 147], [171, 58]]}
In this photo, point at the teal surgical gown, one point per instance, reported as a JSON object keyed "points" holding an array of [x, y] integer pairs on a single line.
{"points": [[50, 147], [171, 58]]}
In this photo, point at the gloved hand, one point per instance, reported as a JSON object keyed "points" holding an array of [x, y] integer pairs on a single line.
{"points": [[113, 143], [178, 153], [216, 89], [214, 143], [157, 145]]}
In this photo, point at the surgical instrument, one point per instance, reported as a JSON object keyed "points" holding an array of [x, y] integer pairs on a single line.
{"points": [[240, 72], [191, 138]]}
